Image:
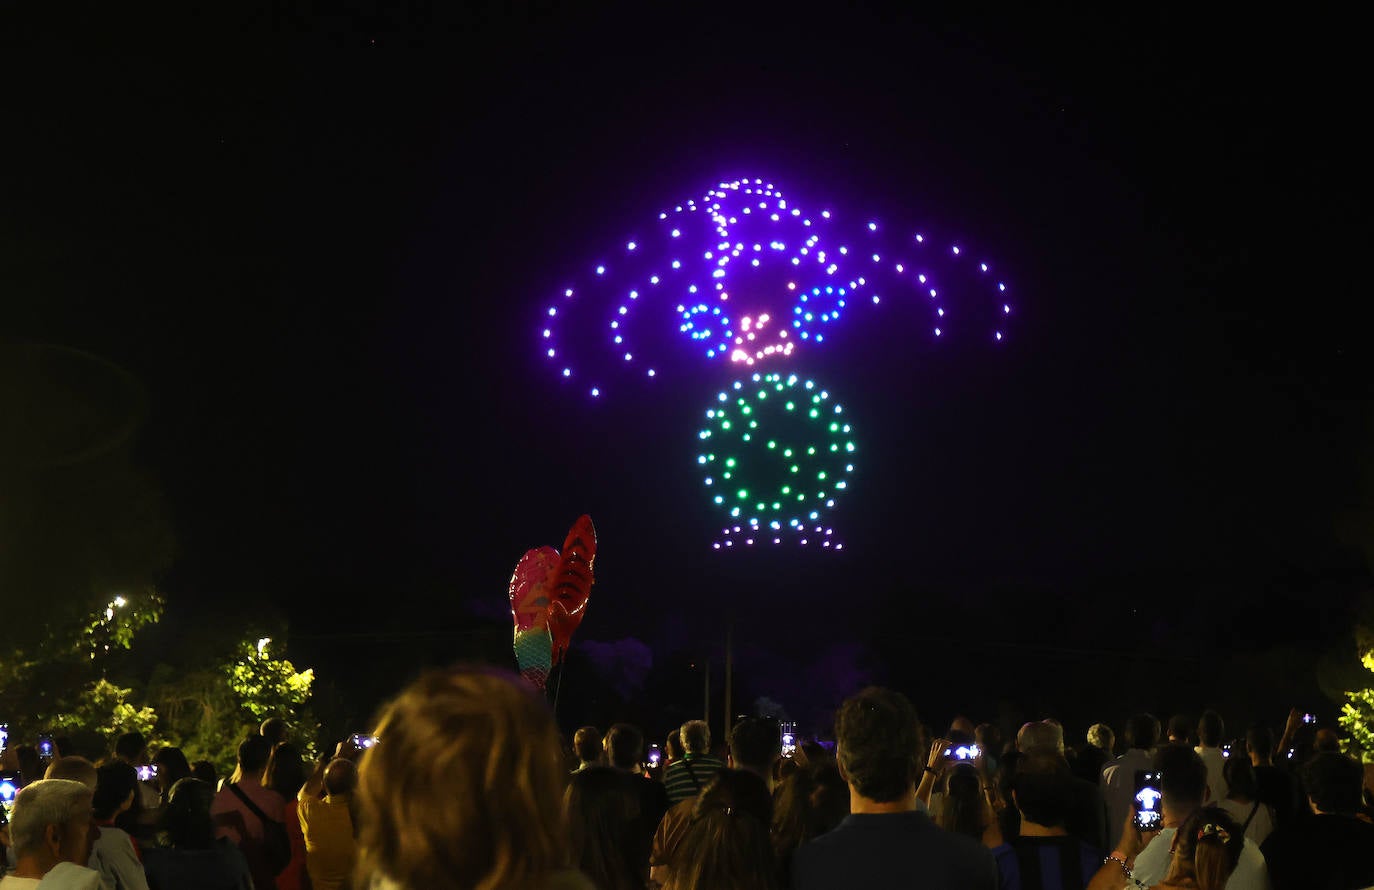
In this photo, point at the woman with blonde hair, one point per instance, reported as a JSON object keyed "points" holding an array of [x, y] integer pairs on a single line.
{"points": [[464, 789], [1206, 849]]}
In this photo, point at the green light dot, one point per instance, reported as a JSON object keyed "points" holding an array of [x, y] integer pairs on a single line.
{"points": [[815, 413], [743, 493], [779, 387], [787, 489], [811, 450], [834, 447], [746, 410], [763, 394], [753, 424], [849, 446], [791, 406], [820, 475], [746, 437], [725, 424], [815, 400], [760, 507], [801, 497], [777, 505], [727, 475], [787, 452], [772, 443], [834, 427], [794, 468], [730, 462]]}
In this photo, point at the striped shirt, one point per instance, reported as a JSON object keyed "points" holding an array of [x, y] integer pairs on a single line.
{"points": [[687, 777]]}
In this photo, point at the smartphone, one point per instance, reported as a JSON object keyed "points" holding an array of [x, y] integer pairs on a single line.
{"points": [[9, 787], [4, 736], [1226, 750], [1309, 718], [787, 738], [963, 752], [147, 772], [655, 757], [45, 747], [362, 742], [1149, 801]]}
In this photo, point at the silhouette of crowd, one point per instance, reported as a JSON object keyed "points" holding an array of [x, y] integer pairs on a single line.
{"points": [[466, 782]]}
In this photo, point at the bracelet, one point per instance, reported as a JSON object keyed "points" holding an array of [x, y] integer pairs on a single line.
{"points": [[930, 769], [1125, 870]]}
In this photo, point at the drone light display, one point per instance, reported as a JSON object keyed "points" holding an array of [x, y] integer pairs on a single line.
{"points": [[744, 279]]}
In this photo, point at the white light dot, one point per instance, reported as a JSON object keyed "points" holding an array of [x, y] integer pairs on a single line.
{"points": [[601, 270], [631, 246], [873, 227]]}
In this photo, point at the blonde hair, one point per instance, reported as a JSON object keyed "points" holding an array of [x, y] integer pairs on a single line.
{"points": [[464, 786]]}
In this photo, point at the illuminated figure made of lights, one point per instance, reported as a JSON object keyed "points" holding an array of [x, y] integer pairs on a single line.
{"points": [[747, 279]]}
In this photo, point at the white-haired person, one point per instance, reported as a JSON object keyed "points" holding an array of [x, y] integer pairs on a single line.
{"points": [[51, 832], [464, 789]]}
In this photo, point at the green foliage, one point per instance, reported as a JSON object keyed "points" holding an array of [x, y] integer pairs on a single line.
{"points": [[209, 711], [1357, 714], [104, 708]]}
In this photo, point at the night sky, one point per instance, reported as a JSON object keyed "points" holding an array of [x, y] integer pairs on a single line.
{"points": [[323, 243]]}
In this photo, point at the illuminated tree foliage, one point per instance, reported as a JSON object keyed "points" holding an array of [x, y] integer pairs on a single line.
{"points": [[1357, 715]]}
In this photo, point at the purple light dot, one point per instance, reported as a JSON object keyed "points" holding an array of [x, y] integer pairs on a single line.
{"points": [[567, 372], [875, 299], [956, 251], [631, 246], [651, 372], [1001, 286], [937, 332], [919, 239], [875, 258], [999, 335], [601, 270], [596, 391], [873, 227], [1006, 310], [984, 266], [676, 233], [568, 292], [624, 309], [550, 353], [548, 333], [627, 356], [653, 279], [553, 310], [825, 214]]}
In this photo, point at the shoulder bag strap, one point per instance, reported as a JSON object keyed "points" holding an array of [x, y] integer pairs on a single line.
{"points": [[256, 810]]}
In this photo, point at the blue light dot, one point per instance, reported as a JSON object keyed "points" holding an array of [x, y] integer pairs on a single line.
{"points": [[601, 270]]}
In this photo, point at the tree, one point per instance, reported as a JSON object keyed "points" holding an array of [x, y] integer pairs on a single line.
{"points": [[1357, 715]]}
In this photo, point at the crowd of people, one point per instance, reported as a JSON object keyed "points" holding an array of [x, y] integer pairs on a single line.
{"points": [[467, 783]]}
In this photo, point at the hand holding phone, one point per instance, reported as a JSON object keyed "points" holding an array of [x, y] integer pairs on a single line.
{"points": [[1309, 719], [655, 756], [963, 752], [1149, 801], [147, 772], [362, 742]]}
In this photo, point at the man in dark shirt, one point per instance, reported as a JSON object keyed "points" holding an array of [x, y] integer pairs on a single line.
{"points": [[625, 750], [1330, 851], [1275, 786], [887, 841]]}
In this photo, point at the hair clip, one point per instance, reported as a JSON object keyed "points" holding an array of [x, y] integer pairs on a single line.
{"points": [[1211, 829], [729, 811]]}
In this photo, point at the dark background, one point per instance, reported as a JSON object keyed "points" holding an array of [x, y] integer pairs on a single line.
{"points": [[321, 238]]}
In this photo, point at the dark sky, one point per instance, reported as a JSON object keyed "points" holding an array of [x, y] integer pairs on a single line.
{"points": [[323, 242]]}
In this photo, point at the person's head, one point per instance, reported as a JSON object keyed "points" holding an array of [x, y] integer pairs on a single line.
{"points": [[696, 737], [672, 745], [625, 746], [1327, 740], [1100, 735], [989, 739], [187, 817], [1210, 729], [1333, 782], [1259, 744], [77, 769], [1042, 790], [1043, 735], [963, 727], [1184, 783], [285, 772], [587, 744], [172, 767], [607, 837], [1142, 731], [962, 810], [466, 780], [728, 844], [755, 745], [31, 766], [876, 747], [275, 730], [340, 777], [1240, 779], [205, 771], [1180, 727], [116, 785], [131, 747], [51, 823], [1206, 848], [253, 754]]}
